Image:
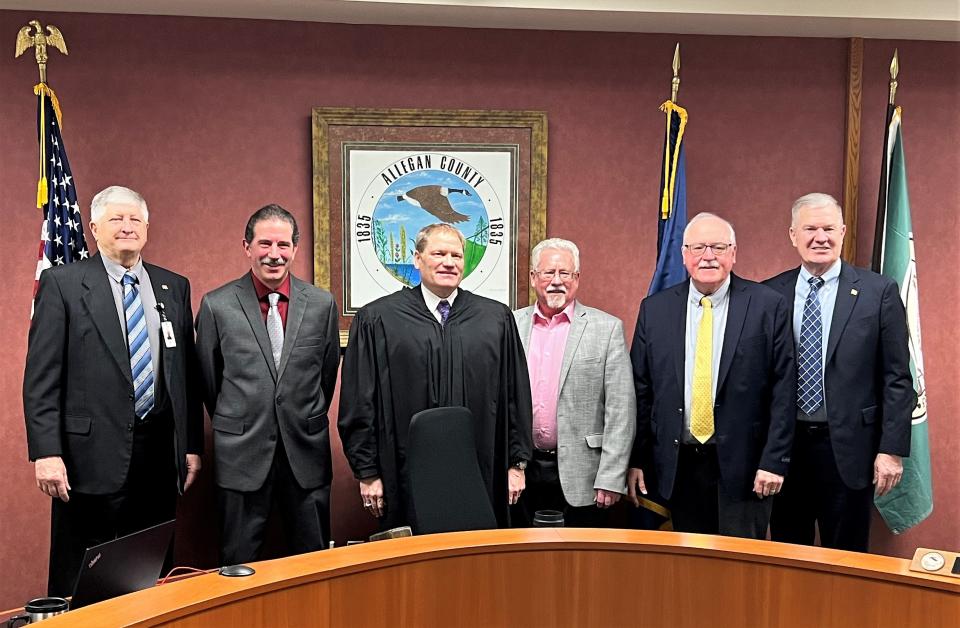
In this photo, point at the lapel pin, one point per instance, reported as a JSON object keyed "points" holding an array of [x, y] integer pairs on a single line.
{"points": [[853, 291], [164, 286]]}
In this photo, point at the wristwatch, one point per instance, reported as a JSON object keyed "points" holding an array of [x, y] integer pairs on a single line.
{"points": [[520, 464]]}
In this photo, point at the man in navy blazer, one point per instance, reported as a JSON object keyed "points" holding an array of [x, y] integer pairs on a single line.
{"points": [[114, 438], [714, 372], [855, 392]]}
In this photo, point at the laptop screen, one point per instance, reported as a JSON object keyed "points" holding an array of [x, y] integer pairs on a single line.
{"points": [[123, 565]]}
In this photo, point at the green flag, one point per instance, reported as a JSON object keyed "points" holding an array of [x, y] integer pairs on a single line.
{"points": [[912, 500]]}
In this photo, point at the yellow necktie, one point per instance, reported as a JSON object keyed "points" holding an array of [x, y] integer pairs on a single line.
{"points": [[701, 423]]}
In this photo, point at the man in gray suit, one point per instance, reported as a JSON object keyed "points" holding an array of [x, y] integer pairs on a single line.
{"points": [[584, 405], [269, 350]]}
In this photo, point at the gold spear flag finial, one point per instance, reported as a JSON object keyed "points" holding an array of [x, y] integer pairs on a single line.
{"points": [[894, 71], [40, 41], [676, 73]]}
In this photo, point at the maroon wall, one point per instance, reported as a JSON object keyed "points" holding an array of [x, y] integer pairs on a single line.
{"points": [[210, 119]]}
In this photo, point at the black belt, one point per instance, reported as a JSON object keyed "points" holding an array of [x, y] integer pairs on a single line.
{"points": [[813, 428], [700, 450], [544, 454]]}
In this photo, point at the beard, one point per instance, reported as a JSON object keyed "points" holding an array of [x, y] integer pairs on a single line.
{"points": [[556, 300]]}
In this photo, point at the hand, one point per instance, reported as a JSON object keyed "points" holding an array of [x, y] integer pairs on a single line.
{"points": [[371, 492], [635, 482], [887, 472], [51, 476], [516, 482], [766, 484], [193, 470], [605, 498]]}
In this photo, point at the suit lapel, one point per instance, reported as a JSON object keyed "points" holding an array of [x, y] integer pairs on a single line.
{"points": [[846, 299], [247, 296], [577, 326], [677, 318], [787, 286], [525, 327], [98, 298], [295, 311], [736, 315], [161, 292]]}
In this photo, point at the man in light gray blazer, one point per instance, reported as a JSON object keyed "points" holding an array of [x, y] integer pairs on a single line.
{"points": [[269, 349], [584, 404]]}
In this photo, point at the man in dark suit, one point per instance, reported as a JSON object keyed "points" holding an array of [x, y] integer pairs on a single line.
{"points": [[854, 391], [269, 351], [113, 426], [714, 372]]}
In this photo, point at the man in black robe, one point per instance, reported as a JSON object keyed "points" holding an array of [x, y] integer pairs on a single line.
{"points": [[425, 347]]}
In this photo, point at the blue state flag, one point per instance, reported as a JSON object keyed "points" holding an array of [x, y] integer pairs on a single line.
{"points": [[672, 217], [671, 221]]}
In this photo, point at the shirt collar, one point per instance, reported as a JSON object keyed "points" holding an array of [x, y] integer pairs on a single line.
{"points": [[433, 300], [263, 291], [566, 312], [116, 271], [719, 297], [832, 273]]}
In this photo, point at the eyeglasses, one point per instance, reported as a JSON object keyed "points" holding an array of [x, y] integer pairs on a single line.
{"points": [[718, 248], [565, 275]]}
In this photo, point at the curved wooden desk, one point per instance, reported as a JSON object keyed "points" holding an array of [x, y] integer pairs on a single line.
{"points": [[550, 577]]}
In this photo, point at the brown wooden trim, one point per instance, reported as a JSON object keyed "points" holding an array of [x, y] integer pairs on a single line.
{"points": [[459, 578], [851, 162]]}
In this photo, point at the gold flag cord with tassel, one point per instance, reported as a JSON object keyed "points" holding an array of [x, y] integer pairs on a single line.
{"points": [[670, 167]]}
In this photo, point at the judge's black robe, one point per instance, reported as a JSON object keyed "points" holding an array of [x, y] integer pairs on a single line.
{"points": [[399, 361]]}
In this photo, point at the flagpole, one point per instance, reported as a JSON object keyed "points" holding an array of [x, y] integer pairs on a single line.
{"points": [[894, 71], [880, 226], [675, 83], [39, 42]]}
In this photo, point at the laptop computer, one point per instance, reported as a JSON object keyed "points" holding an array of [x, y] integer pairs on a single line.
{"points": [[123, 565]]}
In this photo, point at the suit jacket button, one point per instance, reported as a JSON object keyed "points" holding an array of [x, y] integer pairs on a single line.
{"points": [[129, 427], [680, 410], [676, 443], [130, 396], [272, 437], [279, 398]]}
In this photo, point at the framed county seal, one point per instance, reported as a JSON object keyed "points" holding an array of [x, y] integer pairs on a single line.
{"points": [[381, 175]]}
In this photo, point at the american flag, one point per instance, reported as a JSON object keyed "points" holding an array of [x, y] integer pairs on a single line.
{"points": [[61, 234]]}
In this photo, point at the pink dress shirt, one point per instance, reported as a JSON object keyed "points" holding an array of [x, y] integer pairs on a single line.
{"points": [[548, 338]]}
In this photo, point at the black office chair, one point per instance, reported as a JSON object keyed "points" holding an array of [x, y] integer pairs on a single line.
{"points": [[446, 488]]}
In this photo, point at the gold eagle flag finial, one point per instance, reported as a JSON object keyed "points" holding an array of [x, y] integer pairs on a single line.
{"points": [[40, 41]]}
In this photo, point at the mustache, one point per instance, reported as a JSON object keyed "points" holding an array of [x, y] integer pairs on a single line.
{"points": [[708, 265], [273, 262]]}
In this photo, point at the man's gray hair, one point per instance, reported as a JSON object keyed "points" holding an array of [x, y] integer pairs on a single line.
{"points": [[555, 243], [705, 215], [814, 199], [116, 194]]}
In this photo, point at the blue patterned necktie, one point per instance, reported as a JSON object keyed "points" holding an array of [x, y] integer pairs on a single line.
{"points": [[810, 363], [444, 308], [138, 344]]}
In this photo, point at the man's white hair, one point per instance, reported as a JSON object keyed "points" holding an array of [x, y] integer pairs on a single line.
{"points": [[814, 199], [116, 194], [555, 243], [704, 216]]}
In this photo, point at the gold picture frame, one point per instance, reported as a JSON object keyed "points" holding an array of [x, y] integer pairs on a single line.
{"points": [[352, 145]]}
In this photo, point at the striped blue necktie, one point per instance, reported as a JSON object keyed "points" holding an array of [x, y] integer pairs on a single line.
{"points": [[810, 360], [138, 343]]}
